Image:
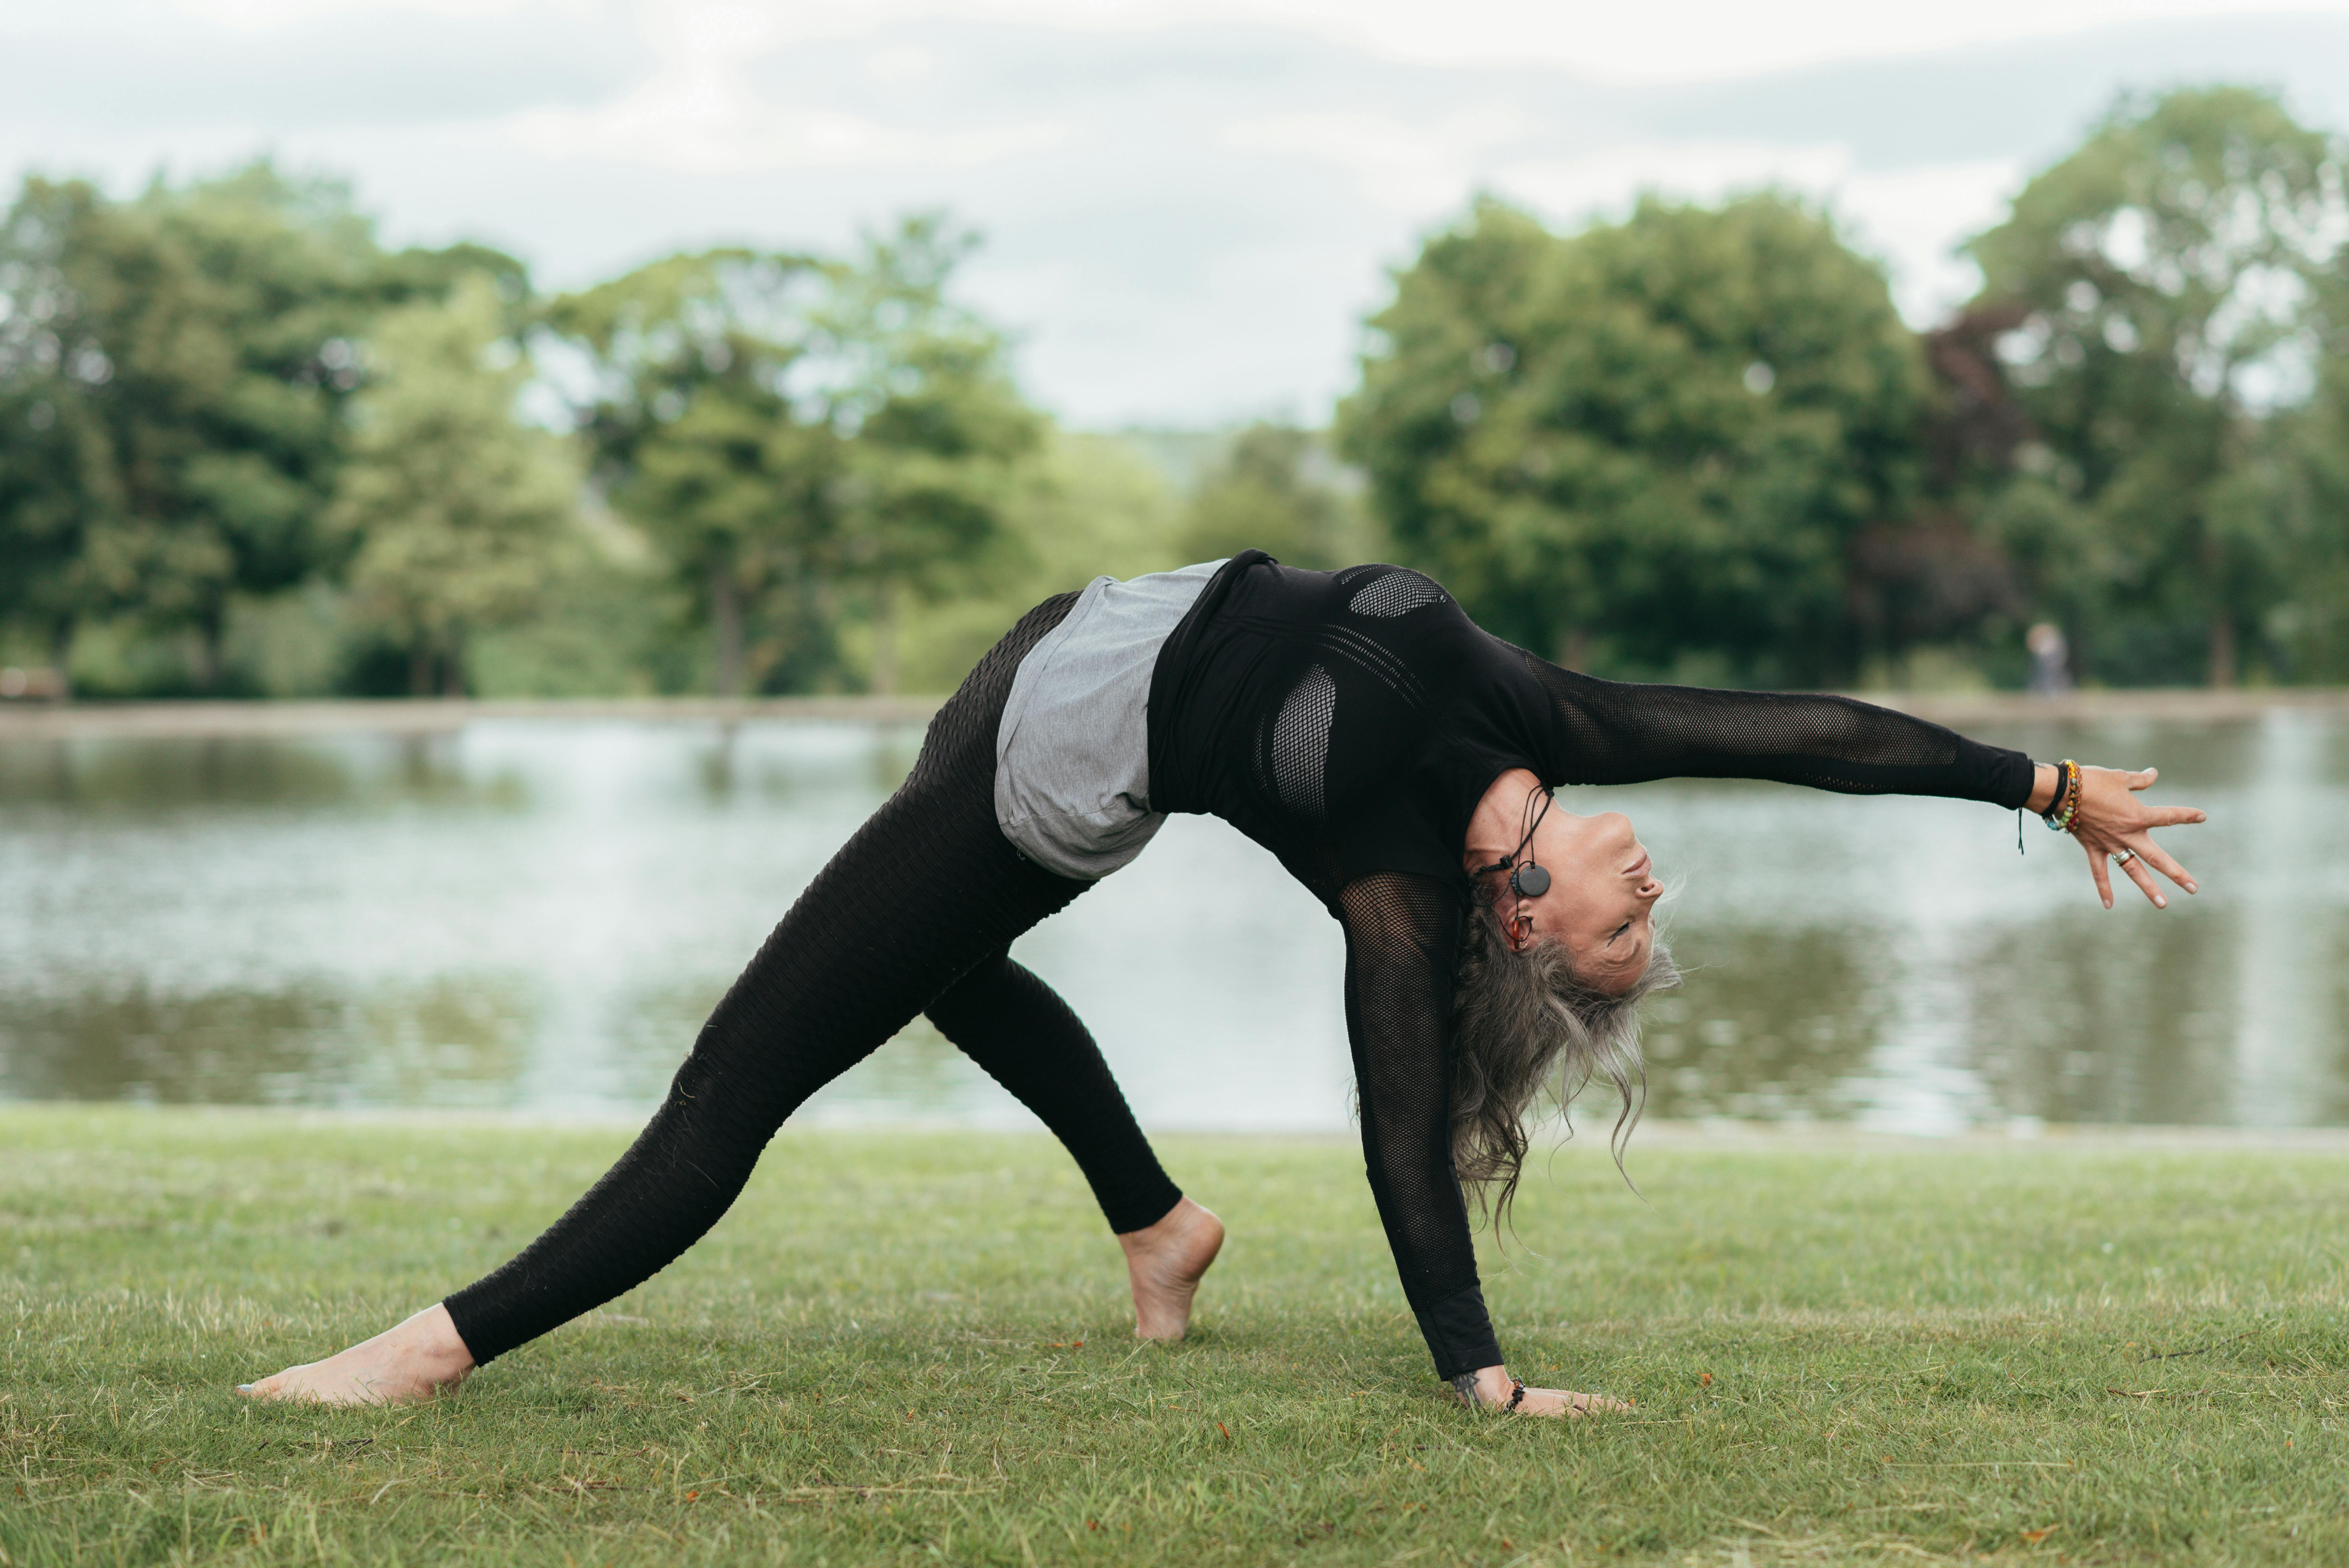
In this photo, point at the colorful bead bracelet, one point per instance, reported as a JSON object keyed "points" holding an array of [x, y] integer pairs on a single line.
{"points": [[2064, 809]]}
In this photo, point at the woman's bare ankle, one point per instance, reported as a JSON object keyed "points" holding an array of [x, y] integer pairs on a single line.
{"points": [[1164, 1263], [415, 1359]]}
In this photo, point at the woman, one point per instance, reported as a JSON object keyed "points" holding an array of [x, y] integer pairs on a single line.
{"points": [[1396, 759]]}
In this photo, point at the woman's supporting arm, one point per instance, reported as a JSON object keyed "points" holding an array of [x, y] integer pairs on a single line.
{"points": [[1618, 732], [1402, 936]]}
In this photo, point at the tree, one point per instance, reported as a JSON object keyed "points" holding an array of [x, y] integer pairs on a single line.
{"points": [[183, 360], [936, 428], [1649, 438], [60, 489], [1267, 494], [455, 507], [2162, 276], [786, 429], [704, 442]]}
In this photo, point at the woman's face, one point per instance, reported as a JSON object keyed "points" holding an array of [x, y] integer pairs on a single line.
{"points": [[1601, 902]]}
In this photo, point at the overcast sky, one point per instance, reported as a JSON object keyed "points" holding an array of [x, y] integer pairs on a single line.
{"points": [[1189, 205]]}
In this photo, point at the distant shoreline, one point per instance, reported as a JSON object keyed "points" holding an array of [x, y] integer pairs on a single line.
{"points": [[1724, 1135], [429, 716], [435, 715]]}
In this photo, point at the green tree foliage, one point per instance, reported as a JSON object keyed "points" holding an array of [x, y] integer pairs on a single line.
{"points": [[455, 509], [1089, 505], [789, 430], [1647, 439], [936, 431], [2295, 487], [702, 445], [179, 365], [59, 485], [2162, 277], [1273, 491]]}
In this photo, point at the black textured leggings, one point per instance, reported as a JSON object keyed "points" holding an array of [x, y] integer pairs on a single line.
{"points": [[913, 914]]}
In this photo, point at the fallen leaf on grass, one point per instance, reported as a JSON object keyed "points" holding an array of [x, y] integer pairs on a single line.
{"points": [[2037, 1536], [1223, 1428], [2200, 1349]]}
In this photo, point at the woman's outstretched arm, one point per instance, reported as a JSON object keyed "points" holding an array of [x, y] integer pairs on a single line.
{"points": [[1622, 732], [1625, 732]]}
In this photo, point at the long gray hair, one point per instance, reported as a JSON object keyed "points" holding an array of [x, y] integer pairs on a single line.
{"points": [[1516, 1019]]}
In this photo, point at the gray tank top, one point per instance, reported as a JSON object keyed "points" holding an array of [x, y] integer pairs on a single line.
{"points": [[1072, 753]]}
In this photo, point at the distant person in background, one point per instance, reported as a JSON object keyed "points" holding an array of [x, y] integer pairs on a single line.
{"points": [[2050, 659], [1399, 761]]}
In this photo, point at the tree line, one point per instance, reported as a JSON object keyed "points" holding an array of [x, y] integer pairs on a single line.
{"points": [[228, 391], [247, 448], [1702, 439]]}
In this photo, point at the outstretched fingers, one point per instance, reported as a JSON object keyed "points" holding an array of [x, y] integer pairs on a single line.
{"points": [[2153, 854], [2100, 869], [2135, 867], [2106, 825]]}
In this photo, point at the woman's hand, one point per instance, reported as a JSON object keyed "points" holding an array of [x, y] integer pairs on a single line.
{"points": [[1494, 1385], [2112, 820]]}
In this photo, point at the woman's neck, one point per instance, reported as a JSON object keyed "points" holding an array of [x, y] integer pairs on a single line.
{"points": [[1497, 824]]}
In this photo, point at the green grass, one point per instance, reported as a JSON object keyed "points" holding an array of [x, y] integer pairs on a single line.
{"points": [[912, 1349]]}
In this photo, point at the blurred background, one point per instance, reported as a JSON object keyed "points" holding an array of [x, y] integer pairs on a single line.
{"points": [[1990, 358]]}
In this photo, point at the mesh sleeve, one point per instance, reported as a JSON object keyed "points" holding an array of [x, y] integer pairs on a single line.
{"points": [[1618, 732], [1402, 935]]}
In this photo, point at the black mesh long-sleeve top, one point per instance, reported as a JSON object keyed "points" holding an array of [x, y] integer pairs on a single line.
{"points": [[1350, 721]]}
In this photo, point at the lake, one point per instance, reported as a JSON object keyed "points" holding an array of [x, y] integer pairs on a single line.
{"points": [[536, 915]]}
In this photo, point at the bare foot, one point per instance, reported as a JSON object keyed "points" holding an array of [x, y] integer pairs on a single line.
{"points": [[1493, 1388], [1559, 1402], [413, 1361], [1165, 1261]]}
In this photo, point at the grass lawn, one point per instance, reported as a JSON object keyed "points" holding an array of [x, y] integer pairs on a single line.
{"points": [[914, 1348]]}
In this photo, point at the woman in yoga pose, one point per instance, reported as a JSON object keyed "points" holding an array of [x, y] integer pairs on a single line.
{"points": [[1398, 760]]}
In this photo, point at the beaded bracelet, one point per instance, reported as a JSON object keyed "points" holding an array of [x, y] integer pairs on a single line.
{"points": [[2064, 809]]}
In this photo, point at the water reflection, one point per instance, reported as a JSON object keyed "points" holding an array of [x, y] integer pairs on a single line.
{"points": [[2091, 1020], [1776, 1026], [539, 916], [456, 1040]]}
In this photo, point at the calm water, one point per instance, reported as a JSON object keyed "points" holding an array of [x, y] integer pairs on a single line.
{"points": [[537, 915]]}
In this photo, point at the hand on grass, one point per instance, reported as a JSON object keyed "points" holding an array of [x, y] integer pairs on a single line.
{"points": [[1493, 1388], [2113, 821]]}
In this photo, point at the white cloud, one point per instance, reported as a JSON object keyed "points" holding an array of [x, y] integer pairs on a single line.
{"points": [[1181, 227], [259, 16], [1660, 41], [687, 127], [697, 113], [901, 63], [1692, 40], [1914, 218], [1909, 219], [1572, 190], [1409, 168]]}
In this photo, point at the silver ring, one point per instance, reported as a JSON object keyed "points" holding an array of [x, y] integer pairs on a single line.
{"points": [[2124, 856]]}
